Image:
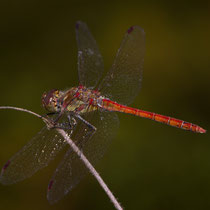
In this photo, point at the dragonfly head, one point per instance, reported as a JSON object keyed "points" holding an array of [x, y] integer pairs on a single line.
{"points": [[50, 100]]}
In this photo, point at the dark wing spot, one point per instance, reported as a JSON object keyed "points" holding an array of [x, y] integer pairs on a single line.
{"points": [[50, 185], [130, 29], [5, 166], [77, 25]]}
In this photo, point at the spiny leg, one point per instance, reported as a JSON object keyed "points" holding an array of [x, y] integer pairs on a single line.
{"points": [[53, 123], [92, 127], [89, 132]]}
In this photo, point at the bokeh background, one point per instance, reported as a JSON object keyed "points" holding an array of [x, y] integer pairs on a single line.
{"points": [[149, 166]]}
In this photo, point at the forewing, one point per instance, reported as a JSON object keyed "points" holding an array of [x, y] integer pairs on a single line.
{"points": [[71, 170], [36, 154], [122, 83], [90, 61]]}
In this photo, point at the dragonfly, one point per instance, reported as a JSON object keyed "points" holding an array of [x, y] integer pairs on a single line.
{"points": [[87, 113]]}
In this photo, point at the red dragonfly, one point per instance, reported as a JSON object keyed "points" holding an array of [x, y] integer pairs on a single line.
{"points": [[87, 113]]}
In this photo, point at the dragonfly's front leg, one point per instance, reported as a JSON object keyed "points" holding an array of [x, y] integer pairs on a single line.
{"points": [[50, 123], [53, 123]]}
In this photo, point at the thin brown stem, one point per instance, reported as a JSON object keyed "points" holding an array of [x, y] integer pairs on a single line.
{"points": [[91, 168], [21, 109], [77, 151]]}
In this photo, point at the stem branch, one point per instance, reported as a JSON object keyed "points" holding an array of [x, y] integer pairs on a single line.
{"points": [[77, 151]]}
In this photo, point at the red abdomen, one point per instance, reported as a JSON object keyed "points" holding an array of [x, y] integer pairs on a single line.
{"points": [[113, 106]]}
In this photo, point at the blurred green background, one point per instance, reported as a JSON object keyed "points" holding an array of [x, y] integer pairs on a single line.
{"points": [[149, 166]]}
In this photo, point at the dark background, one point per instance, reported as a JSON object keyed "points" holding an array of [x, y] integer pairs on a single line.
{"points": [[149, 166]]}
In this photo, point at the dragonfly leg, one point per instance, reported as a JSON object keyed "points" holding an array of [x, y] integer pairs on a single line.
{"points": [[53, 123], [92, 127], [88, 133], [69, 125], [48, 121], [71, 121]]}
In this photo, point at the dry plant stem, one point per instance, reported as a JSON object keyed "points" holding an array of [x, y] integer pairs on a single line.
{"points": [[91, 168], [20, 109], [78, 152]]}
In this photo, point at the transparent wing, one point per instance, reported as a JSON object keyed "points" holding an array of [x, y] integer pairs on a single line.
{"points": [[122, 83], [36, 154], [90, 61], [71, 170]]}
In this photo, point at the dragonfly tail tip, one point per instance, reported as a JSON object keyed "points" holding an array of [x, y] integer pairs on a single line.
{"points": [[201, 130]]}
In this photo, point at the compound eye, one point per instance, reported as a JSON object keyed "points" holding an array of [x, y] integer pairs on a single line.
{"points": [[48, 97]]}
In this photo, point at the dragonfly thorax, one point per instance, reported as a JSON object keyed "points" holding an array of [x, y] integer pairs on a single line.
{"points": [[80, 99]]}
